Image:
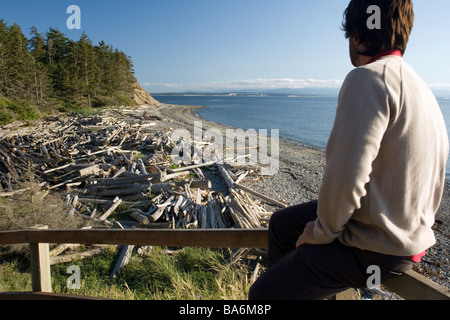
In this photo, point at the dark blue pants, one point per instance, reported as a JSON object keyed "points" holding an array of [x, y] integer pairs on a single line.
{"points": [[315, 272]]}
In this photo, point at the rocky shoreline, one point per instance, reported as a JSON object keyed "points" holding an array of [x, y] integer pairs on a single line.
{"points": [[298, 180]]}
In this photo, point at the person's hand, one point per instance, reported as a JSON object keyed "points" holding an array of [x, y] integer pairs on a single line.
{"points": [[307, 237]]}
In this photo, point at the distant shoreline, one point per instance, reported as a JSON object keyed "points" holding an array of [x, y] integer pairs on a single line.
{"points": [[242, 94]]}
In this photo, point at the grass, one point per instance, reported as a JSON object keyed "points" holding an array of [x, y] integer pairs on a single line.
{"points": [[186, 274], [14, 276], [11, 110], [21, 110]]}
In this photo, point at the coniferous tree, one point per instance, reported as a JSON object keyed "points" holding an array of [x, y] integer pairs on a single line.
{"points": [[107, 68], [56, 46], [88, 68], [57, 51], [52, 68], [3, 56], [41, 87], [19, 65], [124, 72]]}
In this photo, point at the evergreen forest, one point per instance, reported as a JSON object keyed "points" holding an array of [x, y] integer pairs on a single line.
{"points": [[47, 73]]}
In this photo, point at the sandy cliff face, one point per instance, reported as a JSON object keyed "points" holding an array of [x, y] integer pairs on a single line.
{"points": [[142, 97]]}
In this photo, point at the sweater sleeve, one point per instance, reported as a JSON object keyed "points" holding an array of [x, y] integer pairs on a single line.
{"points": [[362, 118]]}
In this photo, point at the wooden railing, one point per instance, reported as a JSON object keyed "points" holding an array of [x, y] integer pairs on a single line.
{"points": [[410, 285]]}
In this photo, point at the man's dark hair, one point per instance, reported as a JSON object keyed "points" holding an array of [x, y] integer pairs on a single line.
{"points": [[397, 20]]}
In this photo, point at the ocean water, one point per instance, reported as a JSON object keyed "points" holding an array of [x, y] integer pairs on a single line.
{"points": [[307, 120]]}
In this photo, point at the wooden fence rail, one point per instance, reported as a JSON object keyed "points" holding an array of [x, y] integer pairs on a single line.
{"points": [[411, 285]]}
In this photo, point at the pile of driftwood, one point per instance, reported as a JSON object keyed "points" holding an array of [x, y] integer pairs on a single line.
{"points": [[171, 198], [99, 163], [119, 163], [62, 152]]}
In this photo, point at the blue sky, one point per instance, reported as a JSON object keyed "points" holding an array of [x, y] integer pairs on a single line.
{"points": [[211, 45]]}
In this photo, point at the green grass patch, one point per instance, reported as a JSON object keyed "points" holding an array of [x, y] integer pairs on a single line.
{"points": [[184, 274], [12, 110]]}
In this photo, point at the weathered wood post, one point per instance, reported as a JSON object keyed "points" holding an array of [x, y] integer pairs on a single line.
{"points": [[40, 265]]}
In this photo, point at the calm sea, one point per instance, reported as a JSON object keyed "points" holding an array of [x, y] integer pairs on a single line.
{"points": [[306, 120]]}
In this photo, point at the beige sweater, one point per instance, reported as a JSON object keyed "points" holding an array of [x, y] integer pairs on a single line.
{"points": [[386, 160]]}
